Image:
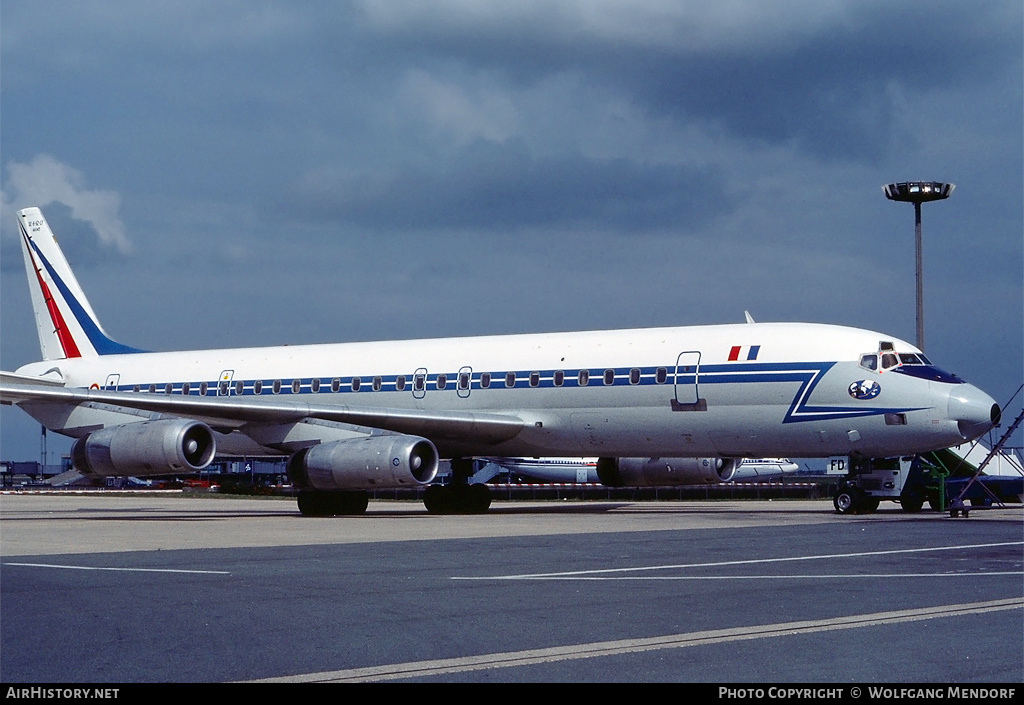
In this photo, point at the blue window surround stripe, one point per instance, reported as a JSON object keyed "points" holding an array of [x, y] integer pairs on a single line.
{"points": [[807, 374]]}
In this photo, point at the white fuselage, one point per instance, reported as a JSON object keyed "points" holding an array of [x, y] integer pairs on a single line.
{"points": [[746, 390]]}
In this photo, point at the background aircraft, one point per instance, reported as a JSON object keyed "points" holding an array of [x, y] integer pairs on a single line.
{"points": [[642, 472]]}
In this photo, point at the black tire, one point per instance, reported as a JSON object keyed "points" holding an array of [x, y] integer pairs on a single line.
{"points": [[318, 503], [911, 503], [312, 504], [479, 498], [351, 503], [437, 499], [847, 500], [457, 499]]}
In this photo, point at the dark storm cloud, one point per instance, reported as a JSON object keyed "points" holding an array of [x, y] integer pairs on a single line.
{"points": [[834, 89], [492, 185]]}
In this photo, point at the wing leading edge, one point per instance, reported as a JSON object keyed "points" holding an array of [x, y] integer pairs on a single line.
{"points": [[438, 426]]}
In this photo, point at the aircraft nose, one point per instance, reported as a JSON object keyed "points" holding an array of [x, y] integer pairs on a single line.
{"points": [[974, 411]]}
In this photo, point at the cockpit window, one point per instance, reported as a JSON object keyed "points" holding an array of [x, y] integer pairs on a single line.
{"points": [[886, 360]]}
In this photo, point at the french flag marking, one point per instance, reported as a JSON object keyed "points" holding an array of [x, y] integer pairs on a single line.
{"points": [[735, 350]]}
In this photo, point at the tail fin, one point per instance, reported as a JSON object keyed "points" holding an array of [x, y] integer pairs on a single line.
{"points": [[65, 321]]}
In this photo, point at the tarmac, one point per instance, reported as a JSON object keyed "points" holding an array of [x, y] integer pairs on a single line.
{"points": [[147, 587]]}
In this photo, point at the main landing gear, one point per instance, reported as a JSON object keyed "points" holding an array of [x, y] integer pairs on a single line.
{"points": [[458, 497]]}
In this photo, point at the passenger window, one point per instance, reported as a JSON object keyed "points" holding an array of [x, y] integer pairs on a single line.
{"points": [[257, 387], [276, 387], [559, 378], [485, 380], [152, 389], [442, 381], [510, 380], [296, 385], [634, 376], [185, 388], [419, 382], [314, 385], [661, 375], [202, 389], [534, 379], [168, 388], [239, 387], [583, 379], [376, 384], [335, 385], [464, 380], [223, 389], [356, 383], [609, 376]]}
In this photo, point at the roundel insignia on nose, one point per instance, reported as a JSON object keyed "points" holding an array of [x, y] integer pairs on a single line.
{"points": [[864, 389]]}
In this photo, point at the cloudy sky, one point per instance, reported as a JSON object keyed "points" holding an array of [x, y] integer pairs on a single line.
{"points": [[252, 172]]}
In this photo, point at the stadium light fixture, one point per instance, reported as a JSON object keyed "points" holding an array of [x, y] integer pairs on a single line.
{"points": [[918, 192]]}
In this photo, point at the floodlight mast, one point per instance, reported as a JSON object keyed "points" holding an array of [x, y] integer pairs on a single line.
{"points": [[918, 192]]}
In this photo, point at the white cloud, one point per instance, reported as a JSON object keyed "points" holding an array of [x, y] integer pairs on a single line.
{"points": [[726, 25], [44, 180], [465, 112]]}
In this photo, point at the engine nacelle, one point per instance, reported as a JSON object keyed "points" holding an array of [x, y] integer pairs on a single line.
{"points": [[164, 447], [661, 472], [365, 463]]}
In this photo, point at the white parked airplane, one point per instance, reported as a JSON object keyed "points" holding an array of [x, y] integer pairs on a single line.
{"points": [[647, 472], [358, 416]]}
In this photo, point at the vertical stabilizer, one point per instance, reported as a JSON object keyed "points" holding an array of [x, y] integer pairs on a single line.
{"points": [[65, 321]]}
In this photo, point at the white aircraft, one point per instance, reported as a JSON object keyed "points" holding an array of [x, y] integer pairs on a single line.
{"points": [[359, 416], [647, 472]]}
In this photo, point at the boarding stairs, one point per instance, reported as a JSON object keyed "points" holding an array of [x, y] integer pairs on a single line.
{"points": [[957, 506]]}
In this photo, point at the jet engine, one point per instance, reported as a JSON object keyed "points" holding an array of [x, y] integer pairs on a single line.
{"points": [[164, 447], [661, 472], [365, 463]]}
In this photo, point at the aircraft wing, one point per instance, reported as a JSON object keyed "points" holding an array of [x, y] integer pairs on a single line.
{"points": [[235, 412]]}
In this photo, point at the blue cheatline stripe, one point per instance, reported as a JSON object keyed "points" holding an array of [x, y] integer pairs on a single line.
{"points": [[102, 344], [807, 375]]}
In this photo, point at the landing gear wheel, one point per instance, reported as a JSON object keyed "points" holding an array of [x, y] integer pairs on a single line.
{"points": [[457, 499], [478, 499], [319, 503], [436, 499]]}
